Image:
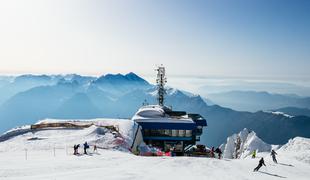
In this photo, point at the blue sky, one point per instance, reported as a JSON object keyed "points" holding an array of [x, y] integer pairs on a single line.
{"points": [[252, 38]]}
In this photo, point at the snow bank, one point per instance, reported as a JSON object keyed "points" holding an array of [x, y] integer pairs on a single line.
{"points": [[298, 148], [15, 132], [254, 143], [243, 144], [64, 138]]}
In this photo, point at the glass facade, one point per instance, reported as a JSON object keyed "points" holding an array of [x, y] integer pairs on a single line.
{"points": [[167, 133]]}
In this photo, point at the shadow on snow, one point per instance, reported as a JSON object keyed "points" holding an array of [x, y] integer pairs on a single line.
{"points": [[275, 175]]}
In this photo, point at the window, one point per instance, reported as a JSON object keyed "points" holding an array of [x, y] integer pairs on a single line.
{"points": [[168, 132], [162, 132], [146, 132], [181, 133], [188, 133], [174, 133]]}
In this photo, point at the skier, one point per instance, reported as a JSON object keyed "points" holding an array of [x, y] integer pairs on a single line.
{"points": [[273, 154], [254, 154], [76, 148], [86, 146], [261, 162], [212, 152], [219, 152], [95, 148]]}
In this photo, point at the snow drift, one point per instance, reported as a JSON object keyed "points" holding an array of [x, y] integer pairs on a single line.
{"points": [[63, 137], [243, 144], [297, 148]]}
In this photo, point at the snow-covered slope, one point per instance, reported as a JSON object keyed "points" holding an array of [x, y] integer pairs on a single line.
{"points": [[243, 144], [65, 138], [297, 148], [47, 154]]}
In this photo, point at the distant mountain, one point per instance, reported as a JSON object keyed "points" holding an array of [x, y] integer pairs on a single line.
{"points": [[78, 106], [130, 79], [293, 111], [29, 78], [23, 83], [82, 80], [255, 101], [5, 80], [120, 96], [69, 96], [118, 84], [226, 85]]}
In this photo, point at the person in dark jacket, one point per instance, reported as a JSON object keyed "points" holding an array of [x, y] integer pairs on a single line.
{"points": [[273, 155], [260, 164], [86, 146], [219, 152], [76, 148]]}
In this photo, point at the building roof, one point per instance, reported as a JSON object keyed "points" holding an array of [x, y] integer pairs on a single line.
{"points": [[157, 114]]}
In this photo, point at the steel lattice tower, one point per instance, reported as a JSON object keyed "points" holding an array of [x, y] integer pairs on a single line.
{"points": [[161, 81]]}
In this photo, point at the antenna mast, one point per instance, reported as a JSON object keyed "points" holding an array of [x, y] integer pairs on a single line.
{"points": [[161, 81]]}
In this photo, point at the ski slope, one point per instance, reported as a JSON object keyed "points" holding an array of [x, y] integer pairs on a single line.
{"points": [[49, 156]]}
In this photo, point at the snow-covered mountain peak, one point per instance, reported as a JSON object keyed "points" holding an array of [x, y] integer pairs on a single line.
{"points": [[120, 78]]}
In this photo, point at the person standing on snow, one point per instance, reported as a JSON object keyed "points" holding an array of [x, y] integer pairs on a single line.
{"points": [[95, 148], [254, 154], [260, 164], [86, 146], [212, 152], [76, 149], [219, 152], [273, 155]]}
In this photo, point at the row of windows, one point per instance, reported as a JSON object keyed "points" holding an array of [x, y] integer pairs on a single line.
{"points": [[167, 132]]}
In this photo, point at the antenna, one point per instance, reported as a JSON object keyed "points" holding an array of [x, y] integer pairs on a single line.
{"points": [[161, 81], [145, 103]]}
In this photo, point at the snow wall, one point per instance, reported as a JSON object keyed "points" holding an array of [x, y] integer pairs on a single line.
{"points": [[243, 144]]}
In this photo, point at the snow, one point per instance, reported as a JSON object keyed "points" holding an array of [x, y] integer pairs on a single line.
{"points": [[151, 111], [66, 138], [50, 157], [279, 113], [297, 148], [156, 113], [248, 142]]}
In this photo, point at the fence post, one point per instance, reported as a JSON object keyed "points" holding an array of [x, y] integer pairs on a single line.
{"points": [[26, 153], [54, 151]]}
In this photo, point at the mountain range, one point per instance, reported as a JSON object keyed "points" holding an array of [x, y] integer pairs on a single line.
{"points": [[120, 96], [258, 100]]}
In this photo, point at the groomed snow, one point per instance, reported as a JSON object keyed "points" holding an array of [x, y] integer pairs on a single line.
{"points": [[50, 158]]}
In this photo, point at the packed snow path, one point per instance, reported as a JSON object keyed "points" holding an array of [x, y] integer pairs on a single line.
{"points": [[109, 164]]}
